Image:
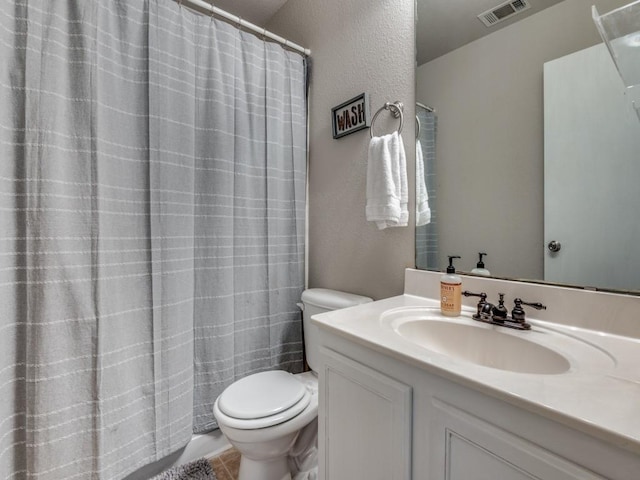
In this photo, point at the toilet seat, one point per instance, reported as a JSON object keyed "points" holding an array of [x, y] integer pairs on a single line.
{"points": [[262, 400]]}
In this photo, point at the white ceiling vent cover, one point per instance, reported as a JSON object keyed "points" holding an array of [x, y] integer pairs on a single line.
{"points": [[503, 11]]}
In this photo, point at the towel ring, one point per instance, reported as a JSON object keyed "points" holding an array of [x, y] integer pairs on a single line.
{"points": [[396, 110]]}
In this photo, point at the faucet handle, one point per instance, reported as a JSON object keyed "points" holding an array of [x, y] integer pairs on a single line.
{"points": [[484, 308], [536, 305], [518, 313], [483, 296]]}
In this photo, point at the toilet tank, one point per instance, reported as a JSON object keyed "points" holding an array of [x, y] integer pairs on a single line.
{"points": [[320, 300]]}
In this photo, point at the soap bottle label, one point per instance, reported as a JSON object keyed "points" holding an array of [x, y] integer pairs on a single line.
{"points": [[451, 297]]}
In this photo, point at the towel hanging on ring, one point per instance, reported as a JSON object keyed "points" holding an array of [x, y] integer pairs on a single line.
{"points": [[387, 189], [423, 212]]}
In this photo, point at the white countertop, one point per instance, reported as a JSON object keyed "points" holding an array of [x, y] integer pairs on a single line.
{"points": [[600, 398]]}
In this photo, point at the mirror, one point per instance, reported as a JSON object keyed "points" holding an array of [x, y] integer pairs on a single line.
{"points": [[493, 184]]}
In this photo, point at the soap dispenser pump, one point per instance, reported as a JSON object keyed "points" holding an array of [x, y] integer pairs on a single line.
{"points": [[451, 291], [480, 270]]}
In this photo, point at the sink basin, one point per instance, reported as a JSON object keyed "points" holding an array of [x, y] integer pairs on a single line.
{"points": [[537, 351], [488, 347]]}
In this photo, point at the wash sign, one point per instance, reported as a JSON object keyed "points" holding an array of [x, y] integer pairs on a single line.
{"points": [[351, 116]]}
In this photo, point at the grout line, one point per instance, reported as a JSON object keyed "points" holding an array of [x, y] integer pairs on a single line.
{"points": [[223, 463], [228, 471]]}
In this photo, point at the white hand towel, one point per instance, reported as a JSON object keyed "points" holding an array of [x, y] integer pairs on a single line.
{"points": [[387, 189], [423, 212]]}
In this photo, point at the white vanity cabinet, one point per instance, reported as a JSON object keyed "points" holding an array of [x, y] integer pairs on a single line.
{"points": [[382, 418], [464, 447], [366, 422]]}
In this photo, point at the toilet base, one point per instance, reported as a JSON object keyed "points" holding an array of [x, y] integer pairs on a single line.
{"points": [[272, 469], [264, 451]]}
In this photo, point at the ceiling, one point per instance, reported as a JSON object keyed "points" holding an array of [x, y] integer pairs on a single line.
{"points": [[443, 25]]}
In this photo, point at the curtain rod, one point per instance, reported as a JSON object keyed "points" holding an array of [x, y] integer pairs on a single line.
{"points": [[208, 7], [428, 109]]}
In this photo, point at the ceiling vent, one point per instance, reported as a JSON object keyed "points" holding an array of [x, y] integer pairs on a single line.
{"points": [[503, 11]]}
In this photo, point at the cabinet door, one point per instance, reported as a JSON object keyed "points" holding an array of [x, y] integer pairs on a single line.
{"points": [[365, 422], [465, 447]]}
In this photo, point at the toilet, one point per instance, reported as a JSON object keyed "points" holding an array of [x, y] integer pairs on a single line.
{"points": [[262, 414]]}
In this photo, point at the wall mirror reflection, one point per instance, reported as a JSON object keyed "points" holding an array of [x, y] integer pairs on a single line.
{"points": [[527, 138]]}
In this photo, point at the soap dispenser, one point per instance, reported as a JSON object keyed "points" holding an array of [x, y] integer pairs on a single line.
{"points": [[480, 270], [451, 291]]}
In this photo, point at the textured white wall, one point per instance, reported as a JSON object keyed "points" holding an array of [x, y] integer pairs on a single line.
{"points": [[356, 46], [488, 96]]}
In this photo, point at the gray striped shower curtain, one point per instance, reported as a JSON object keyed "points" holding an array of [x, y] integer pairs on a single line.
{"points": [[427, 251], [152, 199]]}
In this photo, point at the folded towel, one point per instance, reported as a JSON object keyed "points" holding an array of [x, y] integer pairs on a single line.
{"points": [[387, 190], [423, 212]]}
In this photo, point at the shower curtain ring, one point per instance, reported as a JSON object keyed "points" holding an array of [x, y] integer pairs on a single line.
{"points": [[212, 10]]}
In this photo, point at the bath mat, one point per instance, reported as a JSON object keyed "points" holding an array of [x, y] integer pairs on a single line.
{"points": [[197, 470]]}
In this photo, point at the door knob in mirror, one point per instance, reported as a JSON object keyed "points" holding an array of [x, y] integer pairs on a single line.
{"points": [[554, 246]]}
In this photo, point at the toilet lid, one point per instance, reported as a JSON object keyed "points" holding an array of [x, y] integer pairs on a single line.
{"points": [[261, 395]]}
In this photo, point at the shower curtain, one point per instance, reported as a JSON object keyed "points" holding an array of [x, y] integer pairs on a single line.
{"points": [[427, 235], [152, 199]]}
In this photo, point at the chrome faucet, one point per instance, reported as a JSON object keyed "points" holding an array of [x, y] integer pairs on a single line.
{"points": [[499, 315]]}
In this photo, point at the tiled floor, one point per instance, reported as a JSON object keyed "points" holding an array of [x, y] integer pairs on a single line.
{"points": [[227, 464]]}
